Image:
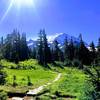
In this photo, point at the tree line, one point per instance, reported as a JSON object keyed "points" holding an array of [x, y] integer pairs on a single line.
{"points": [[14, 48]]}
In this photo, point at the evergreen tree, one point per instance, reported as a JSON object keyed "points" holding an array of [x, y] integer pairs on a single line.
{"points": [[56, 51], [43, 54], [84, 56], [98, 54], [76, 52], [7, 47], [32, 53], [98, 47], [71, 50], [1, 48], [66, 50], [15, 52], [92, 52], [15, 47], [52, 55], [40, 48], [23, 48], [46, 49]]}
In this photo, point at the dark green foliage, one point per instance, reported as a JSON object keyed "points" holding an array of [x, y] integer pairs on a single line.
{"points": [[14, 81], [40, 48], [97, 60], [77, 63], [34, 53], [88, 92], [98, 45], [92, 52], [68, 52], [7, 47], [2, 77], [66, 49], [94, 76], [76, 52], [71, 50], [1, 48], [83, 54], [46, 49], [15, 47], [61, 56], [52, 56], [23, 48], [3, 95], [57, 53], [29, 81], [43, 54], [67, 62]]}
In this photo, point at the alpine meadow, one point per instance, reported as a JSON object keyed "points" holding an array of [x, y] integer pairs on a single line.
{"points": [[49, 50]]}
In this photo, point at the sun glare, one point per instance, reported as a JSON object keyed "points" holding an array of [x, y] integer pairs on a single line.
{"points": [[18, 4], [23, 2]]}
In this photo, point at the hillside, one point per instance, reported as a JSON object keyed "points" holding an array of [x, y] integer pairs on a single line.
{"points": [[72, 83]]}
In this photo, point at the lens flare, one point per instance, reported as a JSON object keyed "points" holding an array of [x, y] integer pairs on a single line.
{"points": [[18, 4], [23, 2]]}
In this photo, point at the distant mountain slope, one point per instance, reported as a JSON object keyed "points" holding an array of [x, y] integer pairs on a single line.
{"points": [[59, 37]]}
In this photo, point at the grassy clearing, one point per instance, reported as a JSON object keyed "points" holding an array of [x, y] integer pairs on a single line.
{"points": [[72, 84], [38, 76]]}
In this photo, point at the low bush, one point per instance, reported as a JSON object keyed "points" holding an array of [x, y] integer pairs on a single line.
{"points": [[6, 64], [28, 64], [68, 63], [77, 63], [3, 95], [2, 78]]}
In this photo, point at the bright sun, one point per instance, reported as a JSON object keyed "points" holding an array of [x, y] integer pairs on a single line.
{"points": [[20, 3]]}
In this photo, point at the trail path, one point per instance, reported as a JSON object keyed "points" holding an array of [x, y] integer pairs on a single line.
{"points": [[39, 89]]}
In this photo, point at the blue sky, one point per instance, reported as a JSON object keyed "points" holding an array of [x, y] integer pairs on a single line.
{"points": [[56, 16]]}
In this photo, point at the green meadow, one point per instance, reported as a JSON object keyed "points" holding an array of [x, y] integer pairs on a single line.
{"points": [[72, 84]]}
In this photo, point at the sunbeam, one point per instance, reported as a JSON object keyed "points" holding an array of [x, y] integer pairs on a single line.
{"points": [[7, 11], [26, 3], [18, 4]]}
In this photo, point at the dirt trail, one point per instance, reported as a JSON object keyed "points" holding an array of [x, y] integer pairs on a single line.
{"points": [[39, 89]]}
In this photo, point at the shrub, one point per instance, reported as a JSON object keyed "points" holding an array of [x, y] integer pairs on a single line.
{"points": [[67, 63], [3, 95], [2, 78], [77, 63], [14, 81], [88, 92], [7, 64], [27, 64], [29, 81]]}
